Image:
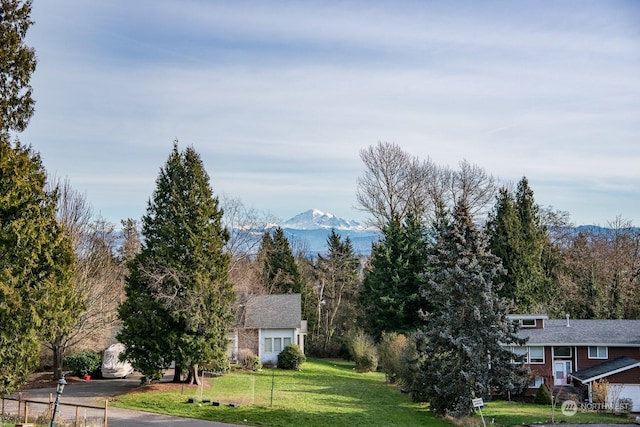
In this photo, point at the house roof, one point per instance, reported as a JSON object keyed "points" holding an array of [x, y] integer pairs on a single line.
{"points": [[581, 332], [282, 311], [605, 369]]}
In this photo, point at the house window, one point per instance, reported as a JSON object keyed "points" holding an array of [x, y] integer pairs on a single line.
{"points": [[525, 323], [536, 383], [531, 354], [598, 352], [521, 351], [561, 351], [536, 354], [276, 344]]}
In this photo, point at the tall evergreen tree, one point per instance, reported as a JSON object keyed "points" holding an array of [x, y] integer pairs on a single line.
{"points": [[36, 255], [36, 266], [179, 296], [17, 63], [338, 277], [279, 273], [390, 297], [519, 239], [460, 346]]}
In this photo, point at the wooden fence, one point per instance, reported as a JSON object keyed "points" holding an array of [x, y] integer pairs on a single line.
{"points": [[69, 414]]}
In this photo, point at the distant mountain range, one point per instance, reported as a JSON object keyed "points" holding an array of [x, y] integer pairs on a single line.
{"points": [[309, 231]]}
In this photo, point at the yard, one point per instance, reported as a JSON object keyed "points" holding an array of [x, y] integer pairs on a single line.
{"points": [[325, 392]]}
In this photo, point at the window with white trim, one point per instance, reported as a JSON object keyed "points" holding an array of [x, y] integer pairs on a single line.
{"points": [[537, 382], [276, 344], [598, 352], [532, 355], [536, 354], [561, 352]]}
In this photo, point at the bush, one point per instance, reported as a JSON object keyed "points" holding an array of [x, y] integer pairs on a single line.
{"points": [[625, 405], [248, 360], [291, 358], [390, 355], [84, 363], [543, 396], [363, 351], [600, 391]]}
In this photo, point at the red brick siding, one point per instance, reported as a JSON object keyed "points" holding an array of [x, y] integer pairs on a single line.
{"points": [[630, 376], [613, 353]]}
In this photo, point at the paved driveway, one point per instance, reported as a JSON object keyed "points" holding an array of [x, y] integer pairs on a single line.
{"points": [[94, 393]]}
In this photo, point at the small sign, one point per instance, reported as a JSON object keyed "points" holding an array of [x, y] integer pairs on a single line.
{"points": [[477, 403]]}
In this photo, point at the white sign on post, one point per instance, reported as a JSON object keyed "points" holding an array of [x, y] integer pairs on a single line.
{"points": [[478, 403]]}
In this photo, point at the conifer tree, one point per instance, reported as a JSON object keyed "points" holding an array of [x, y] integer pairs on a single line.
{"points": [[279, 272], [17, 63], [179, 296], [36, 266], [338, 276], [460, 346], [390, 297], [519, 239], [36, 255]]}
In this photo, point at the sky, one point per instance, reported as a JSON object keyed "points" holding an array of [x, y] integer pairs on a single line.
{"points": [[280, 97]]}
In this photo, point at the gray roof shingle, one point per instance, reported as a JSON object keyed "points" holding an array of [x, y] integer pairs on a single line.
{"points": [[606, 368], [282, 311], [582, 332]]}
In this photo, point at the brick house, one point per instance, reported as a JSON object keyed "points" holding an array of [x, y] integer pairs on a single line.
{"points": [[578, 352]]}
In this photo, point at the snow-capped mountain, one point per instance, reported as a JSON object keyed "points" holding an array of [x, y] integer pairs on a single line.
{"points": [[314, 219], [311, 228]]}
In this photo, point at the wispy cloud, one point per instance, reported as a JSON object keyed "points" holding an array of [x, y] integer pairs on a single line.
{"points": [[280, 97]]}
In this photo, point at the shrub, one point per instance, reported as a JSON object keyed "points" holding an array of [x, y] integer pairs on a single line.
{"points": [[625, 405], [248, 360], [291, 358], [600, 391], [543, 396], [390, 356], [83, 363], [363, 351]]}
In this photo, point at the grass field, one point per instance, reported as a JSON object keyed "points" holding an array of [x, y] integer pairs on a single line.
{"points": [[325, 392]]}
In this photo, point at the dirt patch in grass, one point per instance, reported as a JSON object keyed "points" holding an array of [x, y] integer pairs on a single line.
{"points": [[165, 386], [45, 380]]}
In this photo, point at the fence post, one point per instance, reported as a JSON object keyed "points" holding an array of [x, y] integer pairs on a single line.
{"points": [[26, 412], [19, 403], [76, 423], [106, 406]]}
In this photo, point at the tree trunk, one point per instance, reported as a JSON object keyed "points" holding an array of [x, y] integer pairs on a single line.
{"points": [[58, 356], [177, 374], [193, 377]]}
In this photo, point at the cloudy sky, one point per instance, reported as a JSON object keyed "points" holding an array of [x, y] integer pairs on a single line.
{"points": [[280, 97]]}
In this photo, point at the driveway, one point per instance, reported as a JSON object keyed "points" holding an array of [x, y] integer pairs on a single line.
{"points": [[94, 393]]}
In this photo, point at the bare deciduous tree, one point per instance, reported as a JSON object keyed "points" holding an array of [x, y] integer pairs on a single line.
{"points": [[98, 279], [395, 184]]}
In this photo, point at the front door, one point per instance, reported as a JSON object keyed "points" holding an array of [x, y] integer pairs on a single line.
{"points": [[561, 369]]}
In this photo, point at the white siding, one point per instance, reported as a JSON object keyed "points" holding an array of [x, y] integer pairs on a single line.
{"points": [[273, 341]]}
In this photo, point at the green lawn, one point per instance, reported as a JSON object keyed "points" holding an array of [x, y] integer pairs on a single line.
{"points": [[512, 414], [326, 392], [323, 393]]}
